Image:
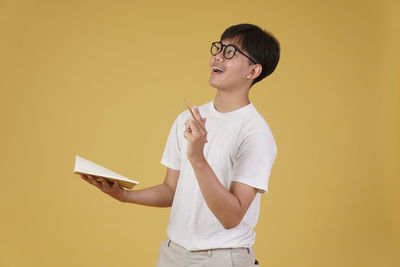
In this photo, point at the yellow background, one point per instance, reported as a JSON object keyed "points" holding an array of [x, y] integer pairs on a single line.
{"points": [[106, 79]]}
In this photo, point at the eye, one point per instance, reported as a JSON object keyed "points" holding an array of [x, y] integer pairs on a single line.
{"points": [[230, 51], [216, 48]]}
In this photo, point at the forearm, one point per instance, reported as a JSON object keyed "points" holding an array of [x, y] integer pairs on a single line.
{"points": [[222, 203], [156, 196]]}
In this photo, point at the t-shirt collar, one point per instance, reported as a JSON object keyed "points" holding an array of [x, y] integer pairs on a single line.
{"points": [[235, 112]]}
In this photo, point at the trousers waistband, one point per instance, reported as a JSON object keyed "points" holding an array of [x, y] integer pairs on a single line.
{"points": [[208, 251]]}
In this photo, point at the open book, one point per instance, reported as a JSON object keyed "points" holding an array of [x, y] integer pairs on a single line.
{"points": [[84, 166]]}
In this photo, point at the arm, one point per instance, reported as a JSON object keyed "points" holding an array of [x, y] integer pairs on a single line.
{"points": [[228, 206], [157, 196]]}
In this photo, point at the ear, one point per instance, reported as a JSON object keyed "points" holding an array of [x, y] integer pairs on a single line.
{"points": [[255, 71]]}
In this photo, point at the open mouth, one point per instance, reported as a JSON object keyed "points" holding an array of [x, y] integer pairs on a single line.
{"points": [[217, 69]]}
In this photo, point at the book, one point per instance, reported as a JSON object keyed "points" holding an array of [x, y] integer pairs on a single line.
{"points": [[84, 166]]}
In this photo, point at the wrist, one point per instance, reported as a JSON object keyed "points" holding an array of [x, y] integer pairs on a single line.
{"points": [[198, 162], [123, 196]]}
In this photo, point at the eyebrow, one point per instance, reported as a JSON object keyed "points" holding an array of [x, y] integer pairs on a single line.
{"points": [[230, 44]]}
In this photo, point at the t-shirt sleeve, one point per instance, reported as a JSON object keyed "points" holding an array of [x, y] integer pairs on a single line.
{"points": [[254, 160], [171, 157]]}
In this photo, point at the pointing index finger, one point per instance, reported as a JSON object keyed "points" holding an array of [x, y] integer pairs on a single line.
{"points": [[197, 113]]}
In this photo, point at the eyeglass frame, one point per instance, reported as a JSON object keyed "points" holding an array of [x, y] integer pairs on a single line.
{"points": [[223, 49]]}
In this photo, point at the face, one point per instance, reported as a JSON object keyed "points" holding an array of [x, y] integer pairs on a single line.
{"points": [[230, 74]]}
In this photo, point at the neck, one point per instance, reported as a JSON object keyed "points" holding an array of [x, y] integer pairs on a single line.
{"points": [[225, 101]]}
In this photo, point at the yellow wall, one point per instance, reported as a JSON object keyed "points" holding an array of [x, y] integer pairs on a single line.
{"points": [[106, 79]]}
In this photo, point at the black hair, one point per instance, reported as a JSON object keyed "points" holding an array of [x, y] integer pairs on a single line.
{"points": [[259, 44]]}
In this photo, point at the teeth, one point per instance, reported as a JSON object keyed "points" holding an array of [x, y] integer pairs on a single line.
{"points": [[218, 69]]}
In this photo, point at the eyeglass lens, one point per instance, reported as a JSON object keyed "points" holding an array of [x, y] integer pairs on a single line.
{"points": [[228, 53]]}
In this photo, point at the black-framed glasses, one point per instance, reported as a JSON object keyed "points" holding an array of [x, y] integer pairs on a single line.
{"points": [[228, 50]]}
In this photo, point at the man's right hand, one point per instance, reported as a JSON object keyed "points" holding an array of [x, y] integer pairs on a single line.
{"points": [[114, 189]]}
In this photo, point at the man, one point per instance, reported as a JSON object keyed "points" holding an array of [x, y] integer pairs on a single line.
{"points": [[218, 162]]}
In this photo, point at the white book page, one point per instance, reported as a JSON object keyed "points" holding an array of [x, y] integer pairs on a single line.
{"points": [[84, 166]]}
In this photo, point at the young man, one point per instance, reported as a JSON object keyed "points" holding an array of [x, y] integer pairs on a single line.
{"points": [[218, 163]]}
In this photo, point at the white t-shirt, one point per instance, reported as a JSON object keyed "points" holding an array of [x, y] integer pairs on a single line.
{"points": [[240, 148]]}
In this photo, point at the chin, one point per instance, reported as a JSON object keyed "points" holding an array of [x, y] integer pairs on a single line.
{"points": [[211, 83], [215, 84]]}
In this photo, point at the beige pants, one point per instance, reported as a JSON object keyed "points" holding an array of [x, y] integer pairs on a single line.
{"points": [[173, 255]]}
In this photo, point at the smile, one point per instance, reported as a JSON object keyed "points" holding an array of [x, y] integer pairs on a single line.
{"points": [[216, 69]]}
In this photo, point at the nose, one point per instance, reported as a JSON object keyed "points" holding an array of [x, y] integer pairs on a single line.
{"points": [[219, 56]]}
